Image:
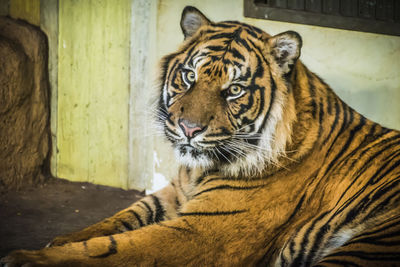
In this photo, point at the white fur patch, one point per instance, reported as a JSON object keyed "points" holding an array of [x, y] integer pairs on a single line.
{"points": [[201, 161]]}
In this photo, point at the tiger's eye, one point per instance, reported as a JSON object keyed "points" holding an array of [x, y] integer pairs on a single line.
{"points": [[190, 76], [235, 90]]}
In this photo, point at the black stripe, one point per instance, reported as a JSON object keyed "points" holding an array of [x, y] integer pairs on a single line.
{"points": [[328, 101], [228, 187], [390, 200], [367, 163], [190, 63], [85, 245], [172, 70], [174, 79], [216, 48], [189, 54], [337, 262], [139, 220], [323, 231], [150, 218], [338, 112], [244, 25], [112, 249], [306, 239], [320, 117], [343, 127], [349, 141], [212, 213], [375, 178], [368, 255], [209, 142], [177, 203], [230, 179], [170, 131], [221, 36], [366, 198], [273, 92], [224, 133], [373, 241], [127, 225], [384, 228], [179, 229], [243, 43], [236, 54], [362, 204], [201, 178], [225, 25], [297, 208], [311, 88], [160, 212], [252, 33]]}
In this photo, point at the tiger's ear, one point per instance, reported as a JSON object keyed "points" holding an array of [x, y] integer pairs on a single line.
{"points": [[192, 19], [285, 49]]}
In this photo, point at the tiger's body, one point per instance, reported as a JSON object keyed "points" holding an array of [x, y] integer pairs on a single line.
{"points": [[276, 169]]}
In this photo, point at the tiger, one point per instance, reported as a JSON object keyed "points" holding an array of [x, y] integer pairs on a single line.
{"points": [[275, 169]]}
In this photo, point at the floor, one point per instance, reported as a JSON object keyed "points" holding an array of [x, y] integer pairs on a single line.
{"points": [[34, 215]]}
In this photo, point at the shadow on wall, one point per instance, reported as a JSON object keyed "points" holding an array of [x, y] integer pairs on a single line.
{"points": [[24, 104]]}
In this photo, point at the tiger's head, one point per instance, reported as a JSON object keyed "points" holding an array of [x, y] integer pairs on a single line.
{"points": [[226, 98]]}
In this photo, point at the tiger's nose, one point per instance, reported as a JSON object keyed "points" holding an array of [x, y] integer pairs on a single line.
{"points": [[189, 129]]}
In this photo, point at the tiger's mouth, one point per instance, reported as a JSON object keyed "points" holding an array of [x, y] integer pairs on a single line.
{"points": [[193, 154], [191, 150]]}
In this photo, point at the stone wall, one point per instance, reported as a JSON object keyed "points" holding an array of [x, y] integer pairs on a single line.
{"points": [[24, 104]]}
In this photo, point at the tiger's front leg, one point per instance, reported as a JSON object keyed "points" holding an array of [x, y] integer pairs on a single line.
{"points": [[185, 241], [151, 209]]}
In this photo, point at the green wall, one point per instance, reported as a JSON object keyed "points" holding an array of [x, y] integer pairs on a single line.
{"points": [[93, 88]]}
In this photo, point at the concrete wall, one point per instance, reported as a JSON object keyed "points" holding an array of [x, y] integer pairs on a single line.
{"points": [[93, 91]]}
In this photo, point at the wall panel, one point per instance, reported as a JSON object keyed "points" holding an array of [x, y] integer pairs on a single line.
{"points": [[93, 91]]}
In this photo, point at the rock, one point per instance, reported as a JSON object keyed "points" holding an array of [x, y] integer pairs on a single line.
{"points": [[24, 104]]}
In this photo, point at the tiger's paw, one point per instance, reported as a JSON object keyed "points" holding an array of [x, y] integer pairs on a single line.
{"points": [[60, 240], [23, 258], [68, 238]]}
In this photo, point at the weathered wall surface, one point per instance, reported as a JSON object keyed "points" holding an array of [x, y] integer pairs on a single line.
{"points": [[93, 91], [24, 103]]}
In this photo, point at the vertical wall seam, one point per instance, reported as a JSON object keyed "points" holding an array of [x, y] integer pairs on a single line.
{"points": [[49, 23], [140, 155]]}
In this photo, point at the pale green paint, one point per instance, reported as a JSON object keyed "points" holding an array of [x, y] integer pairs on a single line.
{"points": [[28, 10], [93, 91]]}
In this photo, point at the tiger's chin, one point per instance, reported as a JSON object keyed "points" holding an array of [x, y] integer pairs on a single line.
{"points": [[193, 157], [250, 165]]}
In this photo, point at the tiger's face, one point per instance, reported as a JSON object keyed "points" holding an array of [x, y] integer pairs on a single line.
{"points": [[221, 101]]}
